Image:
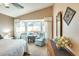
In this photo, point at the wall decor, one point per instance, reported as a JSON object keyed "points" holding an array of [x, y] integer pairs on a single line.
{"points": [[59, 24], [69, 15]]}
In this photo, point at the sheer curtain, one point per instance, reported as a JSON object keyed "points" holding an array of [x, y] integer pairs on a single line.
{"points": [[48, 27], [19, 27]]}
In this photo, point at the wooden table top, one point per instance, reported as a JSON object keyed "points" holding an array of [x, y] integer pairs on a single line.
{"points": [[60, 52]]}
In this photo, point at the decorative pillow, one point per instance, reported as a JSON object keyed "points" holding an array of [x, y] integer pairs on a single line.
{"points": [[1, 37]]}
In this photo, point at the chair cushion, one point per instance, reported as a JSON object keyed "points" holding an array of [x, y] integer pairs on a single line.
{"points": [[41, 39], [39, 43]]}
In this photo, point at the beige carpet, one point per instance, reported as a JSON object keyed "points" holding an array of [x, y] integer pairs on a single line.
{"points": [[36, 50]]}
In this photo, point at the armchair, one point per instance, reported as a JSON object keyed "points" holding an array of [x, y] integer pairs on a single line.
{"points": [[40, 40]]}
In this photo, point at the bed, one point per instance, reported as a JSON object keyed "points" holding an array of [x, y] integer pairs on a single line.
{"points": [[12, 47]]}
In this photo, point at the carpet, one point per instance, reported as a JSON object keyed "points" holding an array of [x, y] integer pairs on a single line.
{"points": [[37, 50]]}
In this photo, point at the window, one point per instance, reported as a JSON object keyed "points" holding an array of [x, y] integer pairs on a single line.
{"points": [[34, 26]]}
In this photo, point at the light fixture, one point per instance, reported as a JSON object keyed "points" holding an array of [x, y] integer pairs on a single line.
{"points": [[6, 30], [5, 4]]}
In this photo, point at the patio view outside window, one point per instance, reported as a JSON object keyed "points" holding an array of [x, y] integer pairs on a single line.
{"points": [[34, 26]]}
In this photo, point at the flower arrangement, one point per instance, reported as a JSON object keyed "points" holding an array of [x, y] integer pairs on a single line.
{"points": [[63, 42]]}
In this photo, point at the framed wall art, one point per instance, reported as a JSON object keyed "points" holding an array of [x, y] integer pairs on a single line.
{"points": [[69, 14]]}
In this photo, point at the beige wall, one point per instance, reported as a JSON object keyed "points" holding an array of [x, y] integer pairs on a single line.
{"points": [[46, 12], [6, 23], [72, 30]]}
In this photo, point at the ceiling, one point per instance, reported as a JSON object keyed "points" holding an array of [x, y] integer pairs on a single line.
{"points": [[28, 7]]}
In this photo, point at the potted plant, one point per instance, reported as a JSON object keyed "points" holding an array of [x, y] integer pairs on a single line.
{"points": [[63, 42]]}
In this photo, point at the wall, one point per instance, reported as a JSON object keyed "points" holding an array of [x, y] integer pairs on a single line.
{"points": [[72, 30], [46, 12], [6, 23]]}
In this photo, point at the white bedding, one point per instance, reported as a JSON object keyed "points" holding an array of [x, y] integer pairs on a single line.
{"points": [[12, 47]]}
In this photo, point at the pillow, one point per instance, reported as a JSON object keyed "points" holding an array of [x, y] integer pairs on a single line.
{"points": [[1, 37]]}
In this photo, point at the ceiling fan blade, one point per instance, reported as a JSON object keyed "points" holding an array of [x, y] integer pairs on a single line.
{"points": [[17, 5]]}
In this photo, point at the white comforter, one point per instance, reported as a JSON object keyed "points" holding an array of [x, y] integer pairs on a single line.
{"points": [[10, 47]]}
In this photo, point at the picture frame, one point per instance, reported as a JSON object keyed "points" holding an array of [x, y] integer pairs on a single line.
{"points": [[69, 14], [59, 24]]}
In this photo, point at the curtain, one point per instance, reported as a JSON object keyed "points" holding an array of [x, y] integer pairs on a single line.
{"points": [[48, 27], [19, 27]]}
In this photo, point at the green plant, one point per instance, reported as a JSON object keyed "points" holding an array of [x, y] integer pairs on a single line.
{"points": [[56, 39], [63, 42]]}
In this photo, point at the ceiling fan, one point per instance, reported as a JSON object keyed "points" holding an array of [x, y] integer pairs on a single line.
{"points": [[7, 5]]}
